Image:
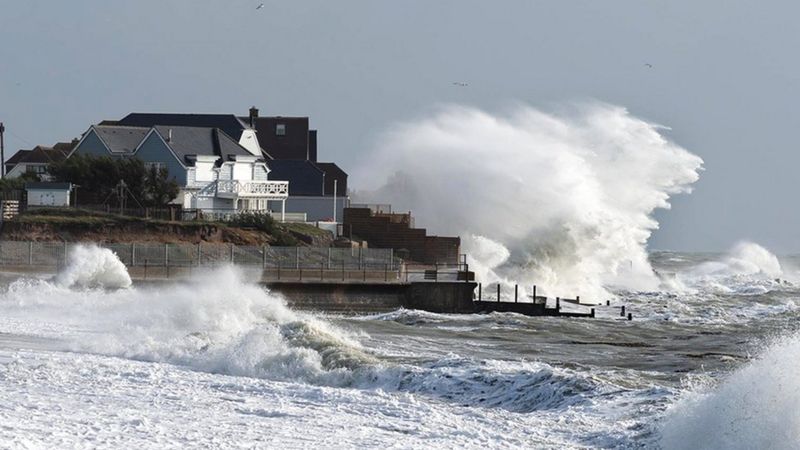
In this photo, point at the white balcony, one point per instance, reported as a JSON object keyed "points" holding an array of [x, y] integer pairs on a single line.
{"points": [[268, 190]]}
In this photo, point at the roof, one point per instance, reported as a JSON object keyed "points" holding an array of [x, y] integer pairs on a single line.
{"points": [[121, 139], [229, 123], [39, 155], [331, 169], [193, 141], [40, 186]]}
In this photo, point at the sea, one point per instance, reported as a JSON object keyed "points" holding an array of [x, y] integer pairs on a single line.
{"points": [[88, 360]]}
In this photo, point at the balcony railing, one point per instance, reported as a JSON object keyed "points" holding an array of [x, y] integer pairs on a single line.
{"points": [[274, 190]]}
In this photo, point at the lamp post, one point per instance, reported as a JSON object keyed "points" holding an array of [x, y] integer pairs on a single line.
{"points": [[335, 182]]}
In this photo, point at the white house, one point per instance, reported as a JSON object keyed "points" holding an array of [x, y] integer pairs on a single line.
{"points": [[217, 175], [48, 194]]}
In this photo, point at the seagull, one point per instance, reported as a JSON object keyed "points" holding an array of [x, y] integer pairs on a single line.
{"points": [[259, 6], [460, 84], [648, 65]]}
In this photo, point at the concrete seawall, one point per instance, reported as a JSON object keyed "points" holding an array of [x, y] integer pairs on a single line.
{"points": [[361, 298]]}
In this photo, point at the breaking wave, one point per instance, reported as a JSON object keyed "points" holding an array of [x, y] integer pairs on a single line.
{"points": [[756, 407], [218, 322], [92, 266], [564, 201]]}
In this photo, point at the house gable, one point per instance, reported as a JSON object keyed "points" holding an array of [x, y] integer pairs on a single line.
{"points": [[91, 144], [153, 149]]}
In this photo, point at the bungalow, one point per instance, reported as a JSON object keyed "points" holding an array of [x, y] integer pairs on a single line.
{"points": [[217, 175]]}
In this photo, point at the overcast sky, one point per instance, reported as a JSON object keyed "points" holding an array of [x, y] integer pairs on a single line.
{"points": [[725, 78]]}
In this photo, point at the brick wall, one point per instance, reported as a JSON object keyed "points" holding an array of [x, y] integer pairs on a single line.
{"points": [[395, 231]]}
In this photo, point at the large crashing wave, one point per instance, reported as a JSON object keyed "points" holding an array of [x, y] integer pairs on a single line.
{"points": [[564, 201]]}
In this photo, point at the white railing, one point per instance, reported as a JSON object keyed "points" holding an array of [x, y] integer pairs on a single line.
{"points": [[262, 189]]}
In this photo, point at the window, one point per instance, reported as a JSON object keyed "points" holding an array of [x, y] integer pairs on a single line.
{"points": [[157, 165], [38, 170], [280, 129]]}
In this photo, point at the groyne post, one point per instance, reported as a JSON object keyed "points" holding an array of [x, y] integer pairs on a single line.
{"points": [[516, 292], [480, 294], [558, 304], [498, 292], [630, 316], [622, 311], [592, 315], [534, 293]]}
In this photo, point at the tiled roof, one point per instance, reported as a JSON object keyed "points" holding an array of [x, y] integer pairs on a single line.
{"points": [[229, 123], [121, 139]]}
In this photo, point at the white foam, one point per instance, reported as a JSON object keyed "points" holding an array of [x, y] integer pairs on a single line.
{"points": [[569, 196], [756, 407], [92, 266]]}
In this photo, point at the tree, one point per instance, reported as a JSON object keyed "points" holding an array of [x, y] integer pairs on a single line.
{"points": [[98, 177], [159, 189]]}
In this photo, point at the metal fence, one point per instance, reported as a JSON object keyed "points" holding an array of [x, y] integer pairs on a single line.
{"points": [[193, 255]]}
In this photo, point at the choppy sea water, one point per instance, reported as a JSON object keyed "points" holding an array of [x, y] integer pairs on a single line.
{"points": [[709, 361]]}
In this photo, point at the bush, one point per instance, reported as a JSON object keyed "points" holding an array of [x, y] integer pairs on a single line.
{"points": [[265, 223]]}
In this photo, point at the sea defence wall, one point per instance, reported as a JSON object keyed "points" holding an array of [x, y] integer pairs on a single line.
{"points": [[444, 297]]}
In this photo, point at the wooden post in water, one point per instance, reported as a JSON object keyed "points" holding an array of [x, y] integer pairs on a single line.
{"points": [[622, 311], [516, 292], [558, 304], [630, 316], [592, 315], [578, 298], [608, 302], [534, 293], [480, 294], [498, 292]]}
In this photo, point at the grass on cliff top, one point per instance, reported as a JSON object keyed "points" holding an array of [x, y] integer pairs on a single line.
{"points": [[93, 219], [305, 228]]}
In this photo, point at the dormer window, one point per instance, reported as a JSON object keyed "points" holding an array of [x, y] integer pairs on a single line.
{"points": [[280, 129]]}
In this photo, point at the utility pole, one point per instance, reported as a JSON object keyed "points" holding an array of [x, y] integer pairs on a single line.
{"points": [[2, 152], [335, 182]]}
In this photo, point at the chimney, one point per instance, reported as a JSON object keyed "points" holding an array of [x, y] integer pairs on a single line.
{"points": [[253, 116]]}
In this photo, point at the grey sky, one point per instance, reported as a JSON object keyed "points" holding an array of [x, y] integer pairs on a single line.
{"points": [[725, 77]]}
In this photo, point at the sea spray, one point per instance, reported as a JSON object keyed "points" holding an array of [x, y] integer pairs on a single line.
{"points": [[92, 266], [747, 268], [755, 407], [569, 196], [218, 322]]}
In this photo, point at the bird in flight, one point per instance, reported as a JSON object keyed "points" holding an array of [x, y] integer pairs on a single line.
{"points": [[648, 65], [460, 84], [259, 6]]}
